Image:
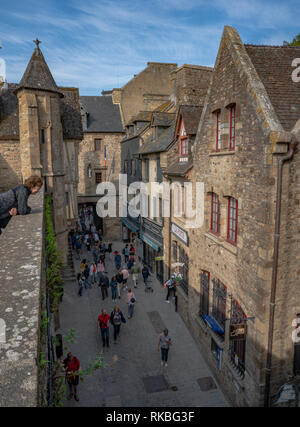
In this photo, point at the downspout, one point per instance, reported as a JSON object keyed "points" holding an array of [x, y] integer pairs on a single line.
{"points": [[170, 233], [281, 162]]}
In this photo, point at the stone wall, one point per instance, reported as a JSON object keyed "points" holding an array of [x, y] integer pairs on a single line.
{"points": [[10, 164], [22, 275], [146, 91]]}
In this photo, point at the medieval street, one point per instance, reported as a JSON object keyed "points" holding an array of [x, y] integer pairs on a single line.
{"points": [[123, 381]]}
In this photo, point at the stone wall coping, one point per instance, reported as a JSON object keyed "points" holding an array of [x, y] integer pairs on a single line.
{"points": [[21, 254], [224, 244], [222, 153]]}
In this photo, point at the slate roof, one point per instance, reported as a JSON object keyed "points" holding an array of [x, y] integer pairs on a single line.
{"points": [[70, 114], [9, 113], [274, 67], [162, 118], [191, 117], [37, 74], [103, 115], [161, 143], [179, 168]]}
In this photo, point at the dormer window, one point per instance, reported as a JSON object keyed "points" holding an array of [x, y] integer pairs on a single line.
{"points": [[183, 143]]}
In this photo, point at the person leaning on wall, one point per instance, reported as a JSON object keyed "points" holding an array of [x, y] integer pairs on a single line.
{"points": [[14, 202]]}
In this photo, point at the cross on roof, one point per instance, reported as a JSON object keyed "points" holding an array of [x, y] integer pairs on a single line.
{"points": [[37, 42]]}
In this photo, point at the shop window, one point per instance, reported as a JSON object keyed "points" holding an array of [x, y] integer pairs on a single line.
{"points": [[219, 302], [238, 344]]}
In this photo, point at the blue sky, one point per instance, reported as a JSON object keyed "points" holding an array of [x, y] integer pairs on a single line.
{"points": [[101, 44]]}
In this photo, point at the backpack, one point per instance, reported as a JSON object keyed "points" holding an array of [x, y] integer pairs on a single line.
{"points": [[117, 319], [132, 300]]}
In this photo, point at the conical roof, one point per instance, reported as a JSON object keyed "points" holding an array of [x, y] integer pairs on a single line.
{"points": [[37, 75]]}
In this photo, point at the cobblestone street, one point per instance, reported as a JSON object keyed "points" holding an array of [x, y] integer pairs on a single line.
{"points": [[133, 375]]}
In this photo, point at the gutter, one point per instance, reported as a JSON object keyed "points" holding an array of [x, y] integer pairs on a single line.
{"points": [[281, 162]]}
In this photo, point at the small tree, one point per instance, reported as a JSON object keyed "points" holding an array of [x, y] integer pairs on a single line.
{"points": [[294, 42]]}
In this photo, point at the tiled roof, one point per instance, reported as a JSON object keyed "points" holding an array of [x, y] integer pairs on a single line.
{"points": [[191, 117], [70, 114], [274, 67], [103, 115], [179, 168], [9, 112], [160, 144], [37, 74]]}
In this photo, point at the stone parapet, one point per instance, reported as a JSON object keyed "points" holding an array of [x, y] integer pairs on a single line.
{"points": [[22, 281]]}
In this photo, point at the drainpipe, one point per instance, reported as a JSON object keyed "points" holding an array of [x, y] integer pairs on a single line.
{"points": [[281, 161], [170, 234]]}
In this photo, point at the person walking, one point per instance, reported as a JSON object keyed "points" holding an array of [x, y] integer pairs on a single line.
{"points": [[113, 286], [119, 279], [116, 318], [126, 253], [100, 269], [164, 343], [125, 274], [118, 260], [86, 274], [93, 272], [96, 253], [103, 325], [170, 288], [80, 281], [135, 271], [78, 246], [82, 265], [145, 274], [130, 302], [109, 250], [104, 285], [72, 365]]}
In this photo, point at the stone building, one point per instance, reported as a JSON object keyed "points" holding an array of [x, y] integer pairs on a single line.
{"points": [[243, 293], [100, 154], [40, 129]]}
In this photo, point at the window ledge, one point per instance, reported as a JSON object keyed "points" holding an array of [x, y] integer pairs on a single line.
{"points": [[222, 153], [181, 292], [240, 379], [222, 243]]}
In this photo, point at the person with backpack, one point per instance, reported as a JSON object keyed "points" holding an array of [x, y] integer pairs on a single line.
{"points": [[114, 288], [135, 271], [130, 302], [116, 318], [119, 279], [72, 365], [103, 325], [170, 288], [118, 260], [164, 343], [145, 274], [104, 285]]}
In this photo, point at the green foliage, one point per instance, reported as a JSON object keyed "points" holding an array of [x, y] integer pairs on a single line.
{"points": [[53, 274], [294, 42]]}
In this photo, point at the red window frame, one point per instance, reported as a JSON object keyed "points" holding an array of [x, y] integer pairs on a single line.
{"points": [[232, 128], [215, 221], [218, 131], [184, 146], [232, 220]]}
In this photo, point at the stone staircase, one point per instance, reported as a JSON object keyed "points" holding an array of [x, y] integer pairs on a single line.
{"points": [[68, 272]]}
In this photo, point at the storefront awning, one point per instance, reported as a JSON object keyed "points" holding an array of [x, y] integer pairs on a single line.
{"points": [[149, 242], [213, 324], [129, 225]]}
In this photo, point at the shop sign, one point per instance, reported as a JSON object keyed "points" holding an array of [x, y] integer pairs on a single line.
{"points": [[180, 233]]}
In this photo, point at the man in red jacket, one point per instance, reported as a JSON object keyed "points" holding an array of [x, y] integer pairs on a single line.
{"points": [[72, 365]]}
